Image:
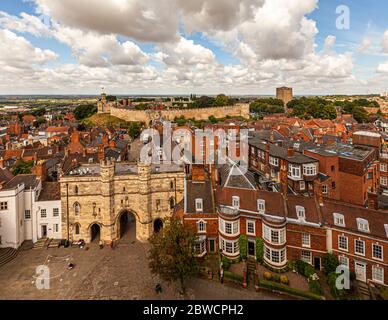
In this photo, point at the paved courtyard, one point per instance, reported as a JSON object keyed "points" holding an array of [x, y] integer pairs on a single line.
{"points": [[120, 273]]}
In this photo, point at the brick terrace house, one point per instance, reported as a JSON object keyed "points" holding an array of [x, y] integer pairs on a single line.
{"points": [[197, 211], [292, 227], [283, 165], [353, 171]]}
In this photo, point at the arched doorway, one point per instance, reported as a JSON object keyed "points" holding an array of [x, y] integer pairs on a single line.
{"points": [[95, 232], [158, 225], [127, 225]]}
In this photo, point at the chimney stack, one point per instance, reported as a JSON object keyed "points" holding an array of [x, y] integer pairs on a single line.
{"points": [[290, 152]]}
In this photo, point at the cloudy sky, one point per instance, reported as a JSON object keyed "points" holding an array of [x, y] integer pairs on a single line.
{"points": [[198, 46]]}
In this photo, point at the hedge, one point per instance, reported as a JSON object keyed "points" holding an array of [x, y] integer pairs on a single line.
{"points": [[243, 243], [259, 250], [233, 276], [296, 292]]}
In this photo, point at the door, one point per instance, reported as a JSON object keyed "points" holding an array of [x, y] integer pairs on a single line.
{"points": [[44, 231], [317, 263], [360, 269], [212, 245], [251, 248]]}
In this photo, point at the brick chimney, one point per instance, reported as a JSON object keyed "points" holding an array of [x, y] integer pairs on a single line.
{"points": [[39, 170], [1, 163], [283, 177], [373, 201], [290, 152]]}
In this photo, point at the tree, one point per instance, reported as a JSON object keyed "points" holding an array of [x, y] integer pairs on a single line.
{"points": [[204, 102], [267, 106], [172, 252], [39, 122], [330, 263], [221, 100], [22, 167], [39, 112], [85, 111], [307, 108], [359, 114]]}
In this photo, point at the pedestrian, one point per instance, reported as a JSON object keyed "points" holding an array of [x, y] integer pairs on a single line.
{"points": [[101, 244], [222, 275]]}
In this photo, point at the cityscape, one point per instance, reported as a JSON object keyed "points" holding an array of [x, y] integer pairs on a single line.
{"points": [[218, 151]]}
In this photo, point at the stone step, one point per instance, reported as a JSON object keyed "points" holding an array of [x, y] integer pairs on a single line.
{"points": [[7, 255]]}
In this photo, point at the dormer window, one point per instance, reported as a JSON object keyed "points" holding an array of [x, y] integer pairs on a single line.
{"points": [[362, 225], [198, 205], [261, 205], [236, 202], [300, 212], [339, 219]]}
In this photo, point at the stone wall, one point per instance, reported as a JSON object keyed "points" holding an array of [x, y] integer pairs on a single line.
{"points": [[238, 110]]}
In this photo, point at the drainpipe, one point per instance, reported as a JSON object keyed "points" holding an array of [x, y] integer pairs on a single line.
{"points": [[67, 212]]}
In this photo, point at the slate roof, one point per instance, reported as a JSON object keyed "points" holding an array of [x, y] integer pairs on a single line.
{"points": [[29, 180], [232, 176], [50, 191], [199, 190]]}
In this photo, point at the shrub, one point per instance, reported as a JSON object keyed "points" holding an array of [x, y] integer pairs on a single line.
{"points": [[267, 276], [331, 280], [243, 242], [330, 263], [226, 263], [308, 271], [284, 280], [233, 276], [276, 277], [259, 250], [315, 287], [296, 292]]}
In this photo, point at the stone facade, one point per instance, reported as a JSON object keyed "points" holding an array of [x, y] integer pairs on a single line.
{"points": [[104, 194]]}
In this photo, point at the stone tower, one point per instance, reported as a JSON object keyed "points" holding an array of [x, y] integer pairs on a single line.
{"points": [[103, 105], [285, 94]]}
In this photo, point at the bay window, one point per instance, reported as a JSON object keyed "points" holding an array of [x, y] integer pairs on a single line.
{"points": [[294, 171], [309, 169]]}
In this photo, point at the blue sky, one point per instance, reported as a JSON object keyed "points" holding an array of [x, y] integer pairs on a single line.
{"points": [[368, 21]]}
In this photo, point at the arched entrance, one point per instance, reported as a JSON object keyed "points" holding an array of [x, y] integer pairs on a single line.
{"points": [[158, 225], [127, 225], [95, 232]]}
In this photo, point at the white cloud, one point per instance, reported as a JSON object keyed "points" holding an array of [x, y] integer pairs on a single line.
{"points": [[383, 67]]}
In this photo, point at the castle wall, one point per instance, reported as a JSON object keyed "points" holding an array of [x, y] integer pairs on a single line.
{"points": [[239, 110]]}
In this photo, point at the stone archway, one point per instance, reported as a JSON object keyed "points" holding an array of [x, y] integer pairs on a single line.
{"points": [[126, 225], [95, 232]]}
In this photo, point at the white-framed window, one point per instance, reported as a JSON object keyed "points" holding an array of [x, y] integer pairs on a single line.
{"points": [[339, 219], [200, 247], [378, 274], [273, 256], [55, 212], [56, 227], [229, 246], [302, 185], [306, 256], [306, 240], [300, 212], [229, 227], [362, 225], [274, 236], [324, 189], [377, 251], [201, 226], [261, 205], [251, 227], [198, 205], [386, 229], [27, 214], [383, 167], [274, 161], [294, 171], [3, 205], [343, 243], [236, 202], [359, 247], [309, 169], [383, 181], [43, 213], [343, 261]]}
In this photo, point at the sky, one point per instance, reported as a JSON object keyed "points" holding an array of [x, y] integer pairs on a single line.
{"points": [[193, 47]]}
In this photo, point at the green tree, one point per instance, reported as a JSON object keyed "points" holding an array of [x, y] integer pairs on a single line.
{"points": [[85, 111], [22, 167], [39, 112], [221, 100], [171, 255], [39, 122], [359, 114], [330, 263], [267, 106]]}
